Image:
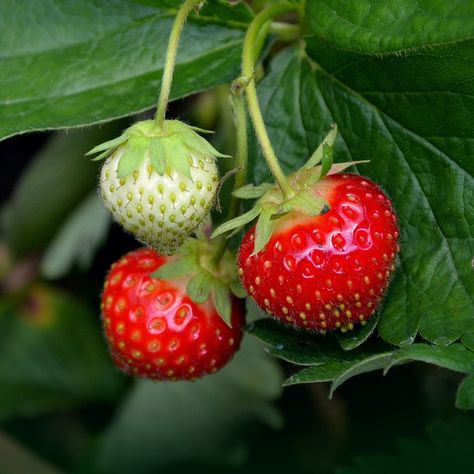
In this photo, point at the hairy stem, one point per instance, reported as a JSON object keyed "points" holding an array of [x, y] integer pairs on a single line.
{"points": [[286, 32], [170, 60], [252, 38], [241, 155]]}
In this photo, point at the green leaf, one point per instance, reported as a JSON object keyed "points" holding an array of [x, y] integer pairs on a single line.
{"points": [[222, 302], [326, 372], [218, 11], [376, 27], [94, 61], [250, 191], [352, 339], [304, 348], [199, 286], [387, 111], [78, 239], [177, 268], [263, 229], [52, 355], [327, 361], [447, 448], [454, 357], [193, 422], [468, 339], [55, 183], [465, 394], [222, 10], [237, 222], [369, 364]]}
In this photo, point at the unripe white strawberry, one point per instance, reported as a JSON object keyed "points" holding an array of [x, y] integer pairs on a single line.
{"points": [[159, 184]]}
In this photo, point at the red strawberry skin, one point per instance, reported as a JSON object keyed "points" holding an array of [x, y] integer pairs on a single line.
{"points": [[328, 271], [154, 330]]}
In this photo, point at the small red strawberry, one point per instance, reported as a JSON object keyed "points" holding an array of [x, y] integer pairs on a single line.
{"points": [[155, 330], [330, 270]]}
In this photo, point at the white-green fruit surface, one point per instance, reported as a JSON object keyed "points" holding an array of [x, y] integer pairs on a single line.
{"points": [[161, 211]]}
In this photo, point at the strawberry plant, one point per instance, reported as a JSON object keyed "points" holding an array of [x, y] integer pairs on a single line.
{"points": [[286, 189]]}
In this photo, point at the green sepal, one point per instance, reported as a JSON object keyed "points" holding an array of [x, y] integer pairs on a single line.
{"points": [[339, 167], [353, 339], [249, 191], [237, 222], [263, 229], [222, 302], [132, 157], [109, 145], [327, 160], [177, 268], [234, 232], [104, 155], [201, 130], [306, 202], [157, 155], [199, 286], [376, 361], [317, 156], [200, 145], [238, 289], [172, 145], [177, 155]]}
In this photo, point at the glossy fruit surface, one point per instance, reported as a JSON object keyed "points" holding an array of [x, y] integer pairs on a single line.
{"points": [[328, 271], [155, 330]]}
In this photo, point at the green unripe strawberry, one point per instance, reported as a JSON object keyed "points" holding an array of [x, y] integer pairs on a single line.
{"points": [[159, 184]]}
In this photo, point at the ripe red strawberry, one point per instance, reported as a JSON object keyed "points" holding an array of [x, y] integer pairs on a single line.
{"points": [[327, 271], [155, 330]]}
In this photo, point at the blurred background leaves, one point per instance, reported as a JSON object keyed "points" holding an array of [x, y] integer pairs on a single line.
{"points": [[398, 81]]}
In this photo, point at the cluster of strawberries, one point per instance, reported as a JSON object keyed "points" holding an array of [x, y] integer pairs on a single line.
{"points": [[170, 312]]}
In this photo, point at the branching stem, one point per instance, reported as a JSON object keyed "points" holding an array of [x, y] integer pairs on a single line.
{"points": [[252, 38]]}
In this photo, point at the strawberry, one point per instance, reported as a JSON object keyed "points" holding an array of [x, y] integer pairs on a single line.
{"points": [[330, 270], [159, 183], [154, 329]]}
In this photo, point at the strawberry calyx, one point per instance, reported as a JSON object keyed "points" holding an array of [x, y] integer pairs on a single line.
{"points": [[206, 279], [168, 147], [304, 199]]}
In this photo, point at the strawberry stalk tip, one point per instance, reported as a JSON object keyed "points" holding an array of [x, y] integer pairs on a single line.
{"points": [[206, 279], [170, 61], [272, 204], [167, 148]]}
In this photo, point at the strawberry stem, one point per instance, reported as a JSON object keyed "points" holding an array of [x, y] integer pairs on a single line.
{"points": [[241, 155], [286, 32], [170, 60], [252, 38]]}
